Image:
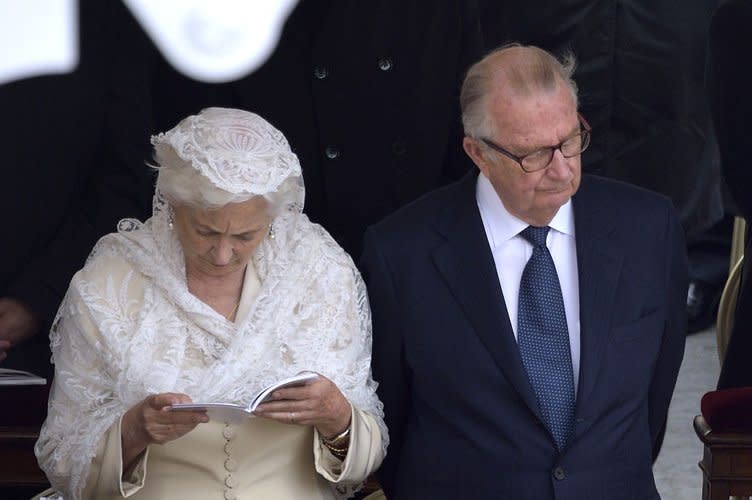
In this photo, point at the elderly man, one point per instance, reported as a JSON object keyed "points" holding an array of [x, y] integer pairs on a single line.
{"points": [[528, 321]]}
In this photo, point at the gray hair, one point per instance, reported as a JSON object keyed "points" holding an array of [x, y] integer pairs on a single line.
{"points": [[522, 70], [181, 184]]}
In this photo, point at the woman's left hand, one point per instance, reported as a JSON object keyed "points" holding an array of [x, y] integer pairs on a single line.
{"points": [[319, 403]]}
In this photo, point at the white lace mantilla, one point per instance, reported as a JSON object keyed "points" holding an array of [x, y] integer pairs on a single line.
{"points": [[239, 152], [311, 313]]}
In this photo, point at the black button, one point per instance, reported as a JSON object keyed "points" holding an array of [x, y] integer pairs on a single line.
{"points": [[331, 152], [385, 64], [559, 474], [320, 72], [399, 148]]}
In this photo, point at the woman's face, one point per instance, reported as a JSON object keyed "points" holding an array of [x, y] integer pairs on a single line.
{"points": [[221, 241]]}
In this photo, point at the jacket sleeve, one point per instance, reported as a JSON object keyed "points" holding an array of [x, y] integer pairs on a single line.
{"points": [[363, 457], [674, 332], [387, 360]]}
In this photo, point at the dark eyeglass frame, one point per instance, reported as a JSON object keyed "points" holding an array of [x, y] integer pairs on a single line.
{"points": [[585, 132]]}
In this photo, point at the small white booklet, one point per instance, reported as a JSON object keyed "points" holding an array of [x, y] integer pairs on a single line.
{"points": [[230, 412], [19, 377]]}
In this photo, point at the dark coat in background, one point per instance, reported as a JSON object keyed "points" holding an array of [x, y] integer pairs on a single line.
{"points": [[730, 87], [640, 74], [366, 94], [66, 178]]}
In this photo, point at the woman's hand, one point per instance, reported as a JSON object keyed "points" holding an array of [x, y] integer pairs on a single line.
{"points": [[319, 403], [152, 422]]}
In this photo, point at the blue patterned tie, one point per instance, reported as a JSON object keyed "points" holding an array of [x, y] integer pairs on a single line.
{"points": [[543, 338]]}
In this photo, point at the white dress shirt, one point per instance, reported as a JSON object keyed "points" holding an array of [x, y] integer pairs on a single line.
{"points": [[511, 253]]}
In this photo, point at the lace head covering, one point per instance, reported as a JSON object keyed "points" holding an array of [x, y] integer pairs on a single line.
{"points": [[239, 153]]}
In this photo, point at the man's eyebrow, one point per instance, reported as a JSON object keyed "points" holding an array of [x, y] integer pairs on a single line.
{"points": [[571, 134]]}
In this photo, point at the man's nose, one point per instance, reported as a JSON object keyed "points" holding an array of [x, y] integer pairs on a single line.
{"points": [[559, 166]]}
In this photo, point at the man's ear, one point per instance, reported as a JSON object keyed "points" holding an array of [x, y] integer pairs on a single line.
{"points": [[475, 152]]}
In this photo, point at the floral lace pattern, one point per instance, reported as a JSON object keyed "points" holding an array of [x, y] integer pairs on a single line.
{"points": [[128, 327], [238, 151]]}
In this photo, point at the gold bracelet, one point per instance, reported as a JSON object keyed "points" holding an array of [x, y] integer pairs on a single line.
{"points": [[339, 444], [337, 449], [340, 453], [338, 440]]}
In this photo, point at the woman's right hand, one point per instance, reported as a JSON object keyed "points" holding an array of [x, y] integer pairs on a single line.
{"points": [[152, 422]]}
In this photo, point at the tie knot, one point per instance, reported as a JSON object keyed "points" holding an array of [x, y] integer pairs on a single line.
{"points": [[535, 235]]}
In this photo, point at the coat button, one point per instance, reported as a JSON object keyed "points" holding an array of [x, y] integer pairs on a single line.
{"points": [[399, 148], [231, 482], [331, 152], [559, 474], [228, 433], [230, 495], [320, 72], [231, 465], [385, 64]]}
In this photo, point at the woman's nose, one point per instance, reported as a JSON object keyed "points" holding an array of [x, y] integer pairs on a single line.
{"points": [[222, 252]]}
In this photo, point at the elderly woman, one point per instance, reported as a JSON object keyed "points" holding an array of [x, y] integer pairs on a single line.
{"points": [[226, 289]]}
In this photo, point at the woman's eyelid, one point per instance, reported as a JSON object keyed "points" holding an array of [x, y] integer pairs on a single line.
{"points": [[205, 231]]}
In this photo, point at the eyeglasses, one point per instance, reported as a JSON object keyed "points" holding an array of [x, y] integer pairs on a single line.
{"points": [[541, 158]]}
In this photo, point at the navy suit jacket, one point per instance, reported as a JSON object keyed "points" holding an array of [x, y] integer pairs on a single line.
{"points": [[462, 415]]}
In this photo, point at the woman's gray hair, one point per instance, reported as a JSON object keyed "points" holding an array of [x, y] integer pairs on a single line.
{"points": [[531, 70], [181, 184], [223, 156]]}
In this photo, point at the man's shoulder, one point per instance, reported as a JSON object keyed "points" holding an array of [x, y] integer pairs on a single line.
{"points": [[420, 215], [631, 215], [620, 197], [732, 13]]}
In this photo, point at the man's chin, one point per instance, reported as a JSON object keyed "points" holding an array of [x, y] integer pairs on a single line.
{"points": [[558, 197]]}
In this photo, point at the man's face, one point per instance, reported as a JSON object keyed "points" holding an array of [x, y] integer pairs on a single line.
{"points": [[522, 126]]}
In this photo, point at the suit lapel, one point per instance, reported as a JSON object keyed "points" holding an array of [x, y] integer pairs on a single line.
{"points": [[599, 263], [466, 264]]}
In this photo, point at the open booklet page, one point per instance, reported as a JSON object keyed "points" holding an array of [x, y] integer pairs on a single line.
{"points": [[230, 412], [19, 377]]}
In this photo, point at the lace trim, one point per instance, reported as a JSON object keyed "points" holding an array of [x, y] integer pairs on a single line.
{"points": [[237, 151], [129, 327]]}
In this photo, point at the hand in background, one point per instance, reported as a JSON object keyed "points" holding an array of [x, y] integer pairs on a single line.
{"points": [[319, 403], [17, 324], [152, 422]]}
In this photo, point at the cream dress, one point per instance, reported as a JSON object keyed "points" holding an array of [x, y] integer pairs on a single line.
{"points": [[255, 459], [258, 458], [123, 334]]}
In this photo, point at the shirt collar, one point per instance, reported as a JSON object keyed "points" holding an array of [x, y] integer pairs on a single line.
{"points": [[502, 226]]}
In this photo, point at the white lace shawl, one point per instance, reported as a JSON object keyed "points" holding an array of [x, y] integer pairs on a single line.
{"points": [[311, 313]]}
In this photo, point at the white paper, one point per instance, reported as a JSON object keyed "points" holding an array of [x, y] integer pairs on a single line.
{"points": [[19, 377], [232, 413]]}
